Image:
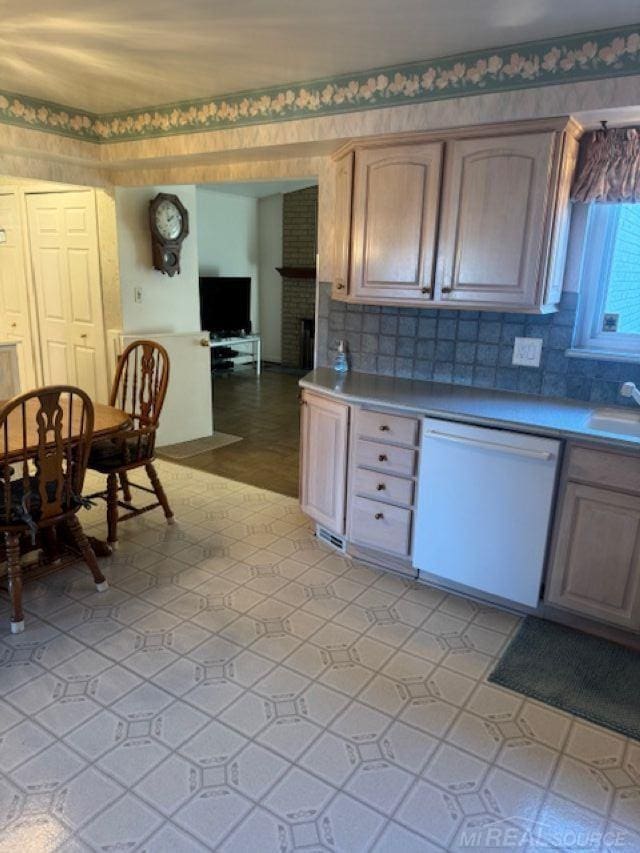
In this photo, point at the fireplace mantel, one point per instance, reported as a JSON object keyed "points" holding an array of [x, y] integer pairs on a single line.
{"points": [[297, 272]]}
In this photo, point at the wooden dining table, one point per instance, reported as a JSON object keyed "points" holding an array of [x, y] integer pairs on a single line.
{"points": [[108, 421]]}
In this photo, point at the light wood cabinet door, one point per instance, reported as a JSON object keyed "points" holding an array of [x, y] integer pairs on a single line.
{"points": [[595, 569], [395, 215], [342, 225], [494, 220], [323, 460]]}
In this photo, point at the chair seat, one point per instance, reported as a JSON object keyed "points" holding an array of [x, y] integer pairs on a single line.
{"points": [[111, 454], [19, 514]]}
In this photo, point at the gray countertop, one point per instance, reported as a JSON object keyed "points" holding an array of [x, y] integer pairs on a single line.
{"points": [[522, 412]]}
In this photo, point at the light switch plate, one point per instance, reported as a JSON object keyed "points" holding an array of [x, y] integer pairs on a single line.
{"points": [[137, 294], [527, 352]]}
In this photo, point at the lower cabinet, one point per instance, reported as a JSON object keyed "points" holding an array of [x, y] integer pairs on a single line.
{"points": [[357, 477], [381, 489], [324, 428], [595, 563]]}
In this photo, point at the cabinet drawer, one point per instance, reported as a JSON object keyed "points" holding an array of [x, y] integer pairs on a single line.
{"points": [[381, 526], [384, 427], [617, 471], [382, 487], [386, 457]]}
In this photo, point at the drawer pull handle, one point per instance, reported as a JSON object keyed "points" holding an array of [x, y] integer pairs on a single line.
{"points": [[378, 516], [382, 457], [384, 428], [380, 487]]}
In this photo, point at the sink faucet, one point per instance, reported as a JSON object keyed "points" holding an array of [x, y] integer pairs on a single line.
{"points": [[628, 389]]}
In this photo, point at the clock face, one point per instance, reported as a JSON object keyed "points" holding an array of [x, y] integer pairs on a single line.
{"points": [[168, 220]]}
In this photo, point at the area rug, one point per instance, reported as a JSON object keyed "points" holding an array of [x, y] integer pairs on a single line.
{"points": [[584, 675], [185, 449]]}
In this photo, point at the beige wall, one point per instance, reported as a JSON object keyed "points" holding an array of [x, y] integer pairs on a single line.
{"points": [[169, 304]]}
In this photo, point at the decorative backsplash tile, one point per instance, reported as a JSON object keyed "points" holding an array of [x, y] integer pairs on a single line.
{"points": [[468, 348]]}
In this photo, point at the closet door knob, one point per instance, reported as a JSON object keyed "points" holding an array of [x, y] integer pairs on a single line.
{"points": [[378, 516], [380, 487], [382, 458], [384, 428]]}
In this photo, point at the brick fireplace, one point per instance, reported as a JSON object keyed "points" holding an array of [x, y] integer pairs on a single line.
{"points": [[299, 246]]}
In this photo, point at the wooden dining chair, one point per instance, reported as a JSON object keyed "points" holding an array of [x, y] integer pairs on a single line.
{"points": [[45, 437], [139, 389]]}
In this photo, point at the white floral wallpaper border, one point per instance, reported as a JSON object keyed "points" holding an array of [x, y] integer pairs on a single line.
{"points": [[588, 56]]}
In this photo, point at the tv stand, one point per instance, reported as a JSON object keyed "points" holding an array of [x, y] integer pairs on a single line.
{"points": [[253, 340]]}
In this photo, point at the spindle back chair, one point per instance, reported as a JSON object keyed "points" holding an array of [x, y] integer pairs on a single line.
{"points": [[139, 389], [45, 440]]}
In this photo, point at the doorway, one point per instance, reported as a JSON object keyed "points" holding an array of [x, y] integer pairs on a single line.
{"points": [[262, 236]]}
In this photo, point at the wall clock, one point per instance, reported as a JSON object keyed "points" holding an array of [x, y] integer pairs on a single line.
{"points": [[169, 222]]}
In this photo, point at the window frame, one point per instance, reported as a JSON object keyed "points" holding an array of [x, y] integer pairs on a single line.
{"points": [[597, 256]]}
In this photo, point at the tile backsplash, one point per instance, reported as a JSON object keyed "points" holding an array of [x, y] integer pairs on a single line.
{"points": [[468, 348]]}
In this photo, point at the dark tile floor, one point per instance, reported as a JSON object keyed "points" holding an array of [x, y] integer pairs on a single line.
{"points": [[264, 411]]}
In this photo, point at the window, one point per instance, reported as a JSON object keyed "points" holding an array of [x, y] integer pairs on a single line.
{"points": [[609, 307]]}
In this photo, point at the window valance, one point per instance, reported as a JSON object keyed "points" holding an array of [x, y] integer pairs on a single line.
{"points": [[609, 166]]}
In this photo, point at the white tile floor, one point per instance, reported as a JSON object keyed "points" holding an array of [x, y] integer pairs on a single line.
{"points": [[242, 688]]}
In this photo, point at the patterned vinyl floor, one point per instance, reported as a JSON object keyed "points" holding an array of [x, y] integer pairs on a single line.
{"points": [[242, 688]]}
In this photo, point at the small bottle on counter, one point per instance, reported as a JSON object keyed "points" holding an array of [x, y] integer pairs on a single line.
{"points": [[340, 362]]}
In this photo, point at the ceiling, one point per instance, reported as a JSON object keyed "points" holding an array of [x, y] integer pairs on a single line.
{"points": [[121, 54], [259, 189]]}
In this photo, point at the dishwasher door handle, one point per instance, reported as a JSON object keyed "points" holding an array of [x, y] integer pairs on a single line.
{"points": [[542, 455]]}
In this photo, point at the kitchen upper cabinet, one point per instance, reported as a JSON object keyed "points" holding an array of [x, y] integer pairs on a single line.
{"points": [[323, 460], [595, 560], [495, 207], [342, 224], [491, 235], [395, 215]]}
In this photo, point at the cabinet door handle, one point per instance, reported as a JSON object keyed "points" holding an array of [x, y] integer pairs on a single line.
{"points": [[446, 289], [339, 285], [425, 290], [382, 458], [384, 428], [378, 516], [380, 487]]}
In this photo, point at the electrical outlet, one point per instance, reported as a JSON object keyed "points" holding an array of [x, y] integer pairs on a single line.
{"points": [[527, 352], [137, 294]]}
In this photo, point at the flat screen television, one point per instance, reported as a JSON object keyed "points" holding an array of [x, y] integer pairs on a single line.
{"points": [[225, 305]]}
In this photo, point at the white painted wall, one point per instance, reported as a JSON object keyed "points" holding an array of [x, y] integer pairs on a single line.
{"points": [[270, 257], [168, 304], [228, 239]]}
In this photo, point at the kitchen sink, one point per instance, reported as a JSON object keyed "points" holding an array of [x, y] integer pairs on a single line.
{"points": [[617, 421]]}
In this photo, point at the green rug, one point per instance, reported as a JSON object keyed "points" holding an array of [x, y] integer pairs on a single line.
{"points": [[587, 676]]}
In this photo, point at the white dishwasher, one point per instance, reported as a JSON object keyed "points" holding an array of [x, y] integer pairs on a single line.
{"points": [[484, 505]]}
